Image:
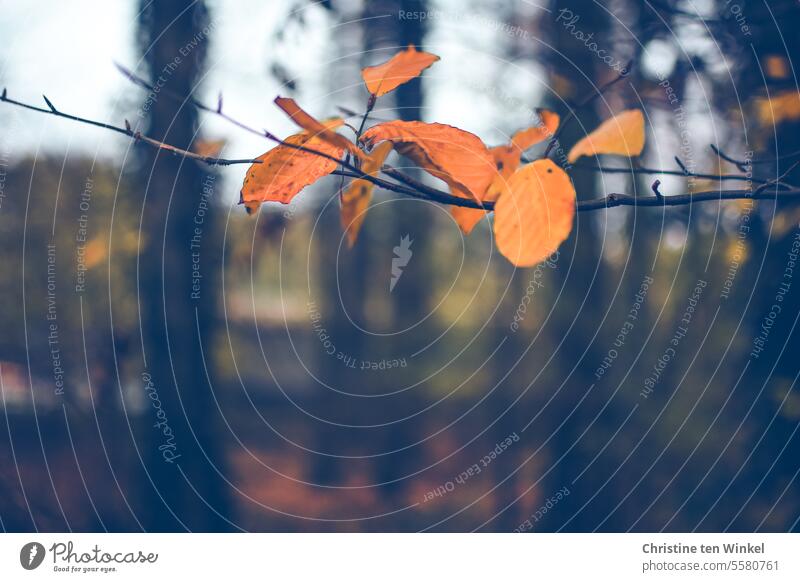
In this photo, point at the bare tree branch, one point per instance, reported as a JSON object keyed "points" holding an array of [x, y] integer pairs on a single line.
{"points": [[417, 189], [127, 131], [141, 82], [684, 173], [744, 164]]}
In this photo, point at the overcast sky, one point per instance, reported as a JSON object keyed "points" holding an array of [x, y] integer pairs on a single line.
{"points": [[67, 51]]}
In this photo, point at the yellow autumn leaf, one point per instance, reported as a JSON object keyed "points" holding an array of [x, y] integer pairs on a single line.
{"points": [[356, 199], [285, 170], [535, 214], [453, 155], [401, 68], [317, 128], [622, 135]]}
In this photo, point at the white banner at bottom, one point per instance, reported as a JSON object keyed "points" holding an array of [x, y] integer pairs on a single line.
{"points": [[401, 557]]}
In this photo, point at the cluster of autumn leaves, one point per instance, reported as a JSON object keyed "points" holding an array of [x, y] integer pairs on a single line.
{"points": [[534, 203]]}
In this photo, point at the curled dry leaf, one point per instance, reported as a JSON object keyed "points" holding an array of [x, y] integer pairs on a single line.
{"points": [[401, 68], [506, 160], [453, 155], [534, 216], [356, 199], [318, 129], [285, 170], [622, 135]]}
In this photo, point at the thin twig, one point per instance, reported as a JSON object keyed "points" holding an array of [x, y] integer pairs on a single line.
{"points": [[683, 173], [777, 181], [399, 188], [144, 84], [613, 200], [744, 164], [350, 113], [218, 111], [127, 131], [411, 187], [263, 133], [370, 106], [655, 187], [352, 171]]}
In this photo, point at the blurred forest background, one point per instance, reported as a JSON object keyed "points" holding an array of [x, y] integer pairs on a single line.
{"points": [[292, 390]]}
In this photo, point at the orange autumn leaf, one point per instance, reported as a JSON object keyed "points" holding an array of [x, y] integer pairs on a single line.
{"points": [[534, 216], [317, 128], [622, 135], [285, 170], [507, 159], [356, 199], [453, 155], [527, 138], [401, 68]]}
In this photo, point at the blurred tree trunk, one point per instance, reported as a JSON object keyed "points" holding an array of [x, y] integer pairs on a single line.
{"points": [[178, 319], [351, 290], [410, 298], [580, 301], [343, 291]]}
